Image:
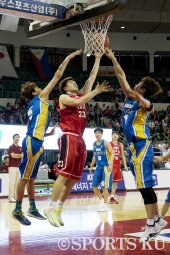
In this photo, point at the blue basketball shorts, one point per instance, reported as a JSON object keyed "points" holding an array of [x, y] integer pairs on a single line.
{"points": [[32, 149], [141, 157], [168, 197], [102, 176]]}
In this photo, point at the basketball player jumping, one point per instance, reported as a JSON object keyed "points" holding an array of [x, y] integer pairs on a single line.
{"points": [[116, 170], [103, 157], [38, 122], [71, 144], [137, 107]]}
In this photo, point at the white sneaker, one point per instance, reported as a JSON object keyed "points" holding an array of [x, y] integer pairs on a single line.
{"points": [[101, 203], [12, 200], [103, 208], [162, 223], [150, 233], [52, 216]]}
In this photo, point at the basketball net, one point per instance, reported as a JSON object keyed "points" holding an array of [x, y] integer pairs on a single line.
{"points": [[94, 34]]}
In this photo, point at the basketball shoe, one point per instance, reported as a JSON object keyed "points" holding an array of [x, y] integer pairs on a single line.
{"points": [[19, 216], [162, 223], [150, 233], [54, 216], [35, 214], [103, 208], [101, 203], [113, 201]]}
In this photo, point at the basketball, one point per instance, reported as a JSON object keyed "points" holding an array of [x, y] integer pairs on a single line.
{"points": [[106, 43], [98, 39]]}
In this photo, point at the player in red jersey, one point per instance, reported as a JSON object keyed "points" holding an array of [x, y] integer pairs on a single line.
{"points": [[116, 172], [71, 144]]}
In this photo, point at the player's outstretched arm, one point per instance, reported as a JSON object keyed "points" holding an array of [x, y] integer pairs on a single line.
{"points": [[123, 157], [111, 151], [69, 101], [143, 102], [58, 74], [52, 132], [119, 72], [89, 83], [163, 158]]}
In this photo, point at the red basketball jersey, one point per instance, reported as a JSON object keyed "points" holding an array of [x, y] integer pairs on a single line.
{"points": [[73, 119], [117, 151]]}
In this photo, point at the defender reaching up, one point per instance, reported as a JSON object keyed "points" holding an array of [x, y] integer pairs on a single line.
{"points": [[137, 107]]}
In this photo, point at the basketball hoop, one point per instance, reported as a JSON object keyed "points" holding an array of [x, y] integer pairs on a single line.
{"points": [[94, 34]]}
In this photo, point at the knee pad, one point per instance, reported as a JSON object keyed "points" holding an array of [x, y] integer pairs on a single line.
{"points": [[148, 195]]}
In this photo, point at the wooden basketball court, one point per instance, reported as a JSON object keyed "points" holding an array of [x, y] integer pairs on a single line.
{"points": [[86, 231]]}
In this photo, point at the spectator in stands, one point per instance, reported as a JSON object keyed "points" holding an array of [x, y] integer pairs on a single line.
{"points": [[103, 108], [4, 167], [111, 112], [106, 112], [15, 155], [151, 124], [164, 123], [161, 145], [20, 120], [91, 112], [2, 120], [102, 119], [166, 134], [8, 106], [11, 120], [106, 121], [5, 154]]}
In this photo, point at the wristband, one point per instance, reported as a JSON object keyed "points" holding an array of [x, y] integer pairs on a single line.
{"points": [[150, 108]]}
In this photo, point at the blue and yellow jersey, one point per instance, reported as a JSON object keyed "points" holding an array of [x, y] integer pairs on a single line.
{"points": [[101, 154], [135, 121], [38, 118]]}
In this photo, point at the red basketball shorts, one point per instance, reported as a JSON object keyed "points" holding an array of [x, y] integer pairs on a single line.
{"points": [[116, 173], [72, 158]]}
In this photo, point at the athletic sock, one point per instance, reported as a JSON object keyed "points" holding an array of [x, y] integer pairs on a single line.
{"points": [[112, 195], [59, 203], [52, 204], [18, 207], [150, 222], [32, 205], [157, 217]]}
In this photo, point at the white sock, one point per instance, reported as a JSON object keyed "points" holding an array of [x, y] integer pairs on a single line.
{"points": [[53, 204], [112, 195], [161, 217], [59, 203], [156, 217], [150, 222]]}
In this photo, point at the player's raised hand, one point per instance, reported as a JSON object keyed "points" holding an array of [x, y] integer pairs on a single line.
{"points": [[53, 129], [98, 55], [102, 87], [109, 53]]}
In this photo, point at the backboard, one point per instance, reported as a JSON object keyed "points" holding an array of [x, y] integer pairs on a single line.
{"points": [[91, 10]]}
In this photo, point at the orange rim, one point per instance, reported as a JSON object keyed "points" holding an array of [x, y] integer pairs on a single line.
{"points": [[98, 20]]}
